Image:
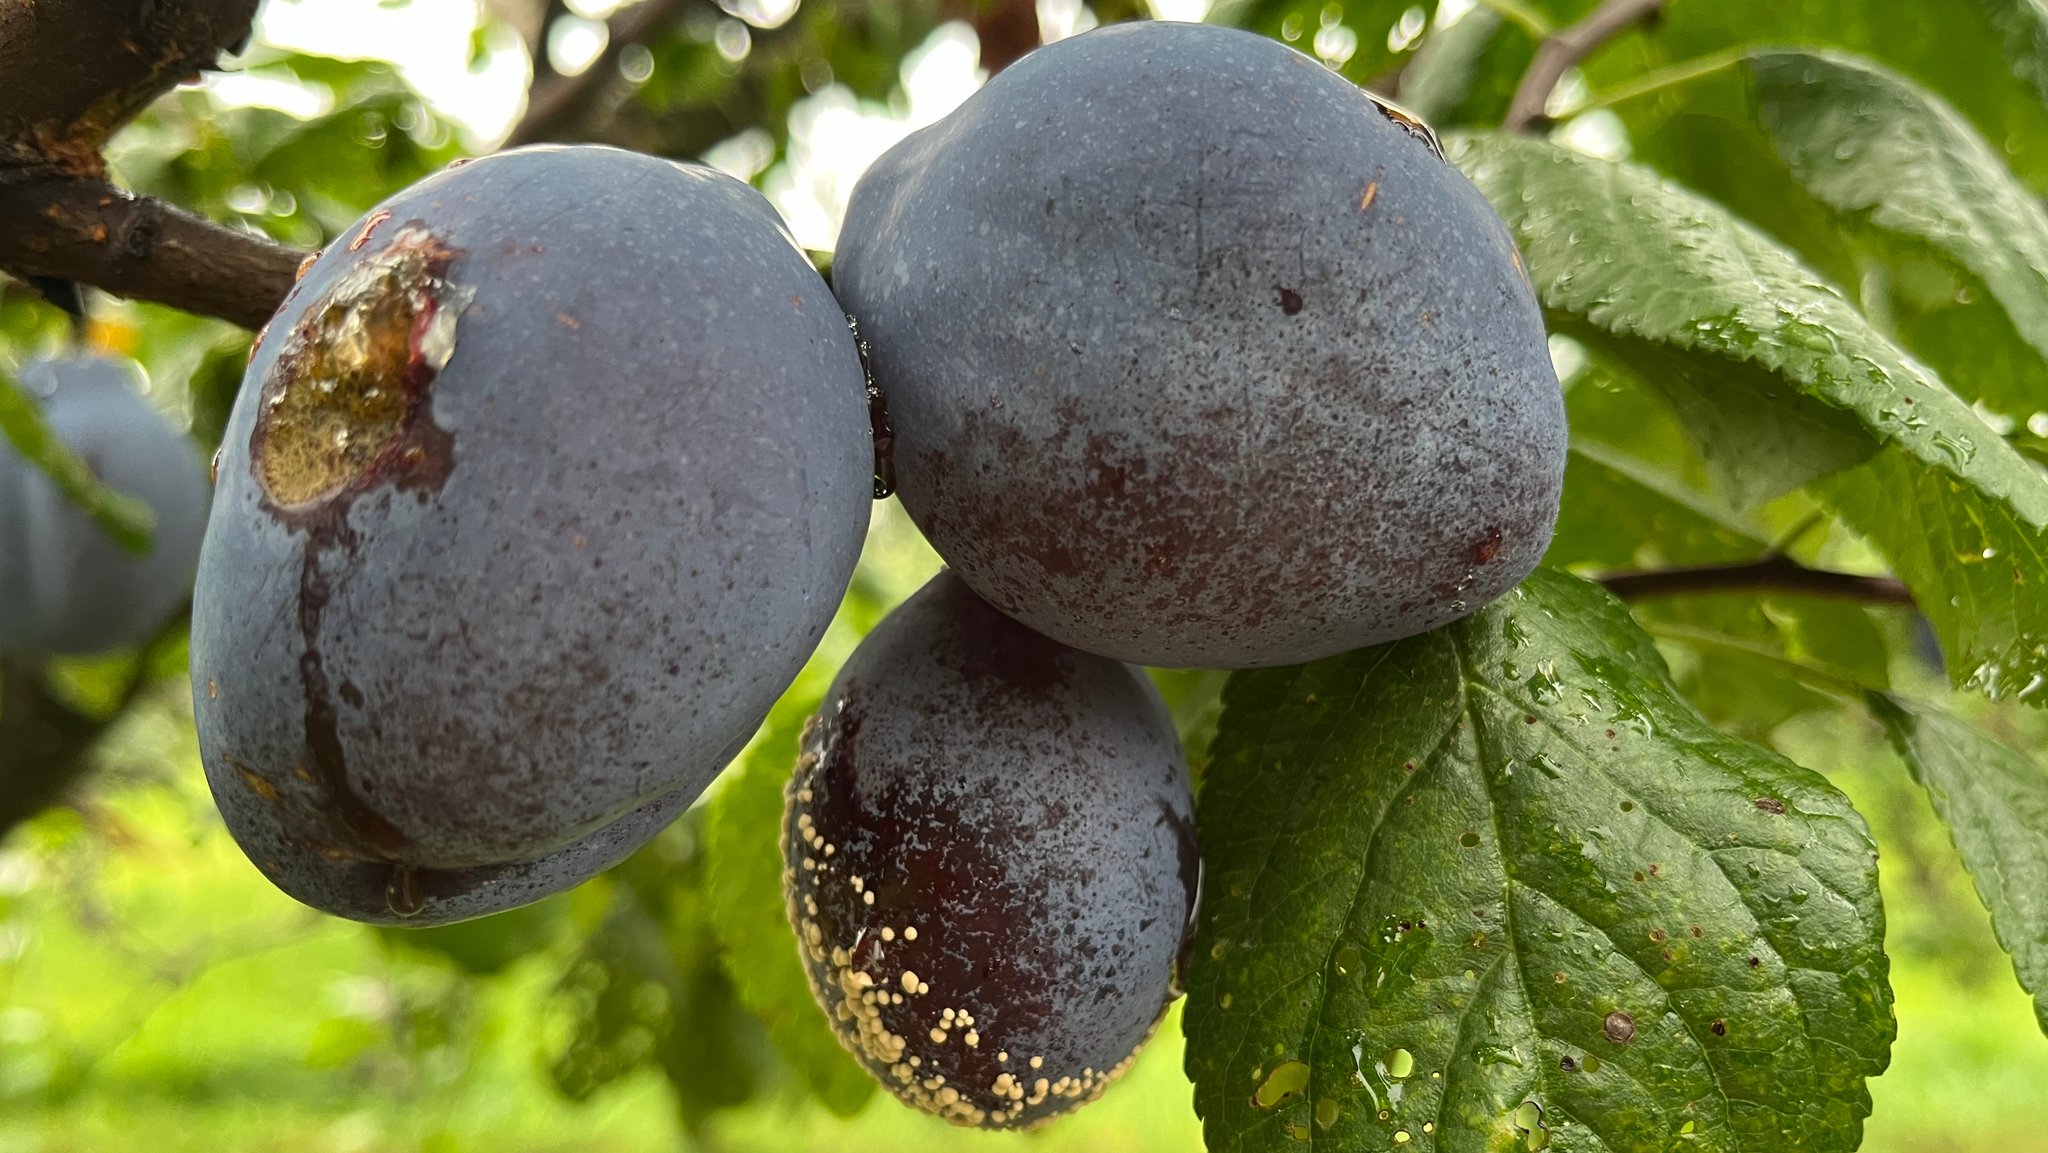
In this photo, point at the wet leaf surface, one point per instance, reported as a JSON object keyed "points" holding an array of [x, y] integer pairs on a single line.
{"points": [[1506, 858]]}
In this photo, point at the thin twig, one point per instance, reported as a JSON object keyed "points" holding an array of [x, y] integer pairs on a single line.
{"points": [[556, 103], [1565, 50], [1775, 573]]}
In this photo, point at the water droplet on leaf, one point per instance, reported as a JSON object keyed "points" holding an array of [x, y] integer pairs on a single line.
{"points": [[1287, 1081]]}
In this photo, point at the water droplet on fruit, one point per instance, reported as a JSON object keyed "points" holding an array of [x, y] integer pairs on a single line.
{"points": [[402, 891]]}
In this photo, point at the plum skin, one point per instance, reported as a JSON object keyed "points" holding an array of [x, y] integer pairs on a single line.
{"points": [[604, 475], [1195, 356], [992, 867], [66, 587]]}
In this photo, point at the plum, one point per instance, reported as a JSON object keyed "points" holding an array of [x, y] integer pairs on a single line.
{"points": [[539, 490], [991, 857], [66, 586], [1197, 355]]}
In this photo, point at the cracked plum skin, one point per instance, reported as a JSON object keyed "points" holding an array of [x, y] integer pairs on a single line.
{"points": [[479, 620], [991, 862], [1196, 357], [66, 587]]}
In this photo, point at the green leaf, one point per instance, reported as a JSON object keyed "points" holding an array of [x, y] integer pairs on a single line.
{"points": [[1758, 440], [1985, 56], [744, 854], [1617, 514], [488, 945], [647, 988], [1978, 571], [1195, 698], [1652, 276], [2022, 25], [748, 912], [1505, 857], [1994, 800], [618, 1000], [125, 518], [744, 822], [1645, 268], [1872, 145]]}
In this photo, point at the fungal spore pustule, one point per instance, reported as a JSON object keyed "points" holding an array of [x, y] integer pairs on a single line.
{"points": [[991, 862]]}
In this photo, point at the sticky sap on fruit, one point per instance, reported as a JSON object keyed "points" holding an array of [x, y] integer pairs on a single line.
{"points": [[345, 402]]}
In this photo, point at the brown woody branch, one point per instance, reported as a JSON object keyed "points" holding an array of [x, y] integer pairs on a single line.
{"points": [[85, 230], [73, 71], [1006, 29], [1566, 49], [1777, 573]]}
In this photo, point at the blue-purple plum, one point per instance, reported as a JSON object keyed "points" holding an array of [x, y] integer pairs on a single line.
{"points": [[1197, 355], [991, 862], [539, 490], [66, 586]]}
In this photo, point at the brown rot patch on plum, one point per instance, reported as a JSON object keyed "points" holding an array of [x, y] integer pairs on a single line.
{"points": [[905, 984], [346, 405], [990, 911], [482, 642]]}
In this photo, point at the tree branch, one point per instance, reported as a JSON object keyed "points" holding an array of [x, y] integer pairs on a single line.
{"points": [[1006, 30], [73, 71], [88, 231], [1776, 573], [1561, 52], [557, 103]]}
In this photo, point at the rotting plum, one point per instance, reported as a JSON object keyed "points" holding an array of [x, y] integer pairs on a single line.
{"points": [[991, 861], [66, 586], [1196, 355], [539, 490]]}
